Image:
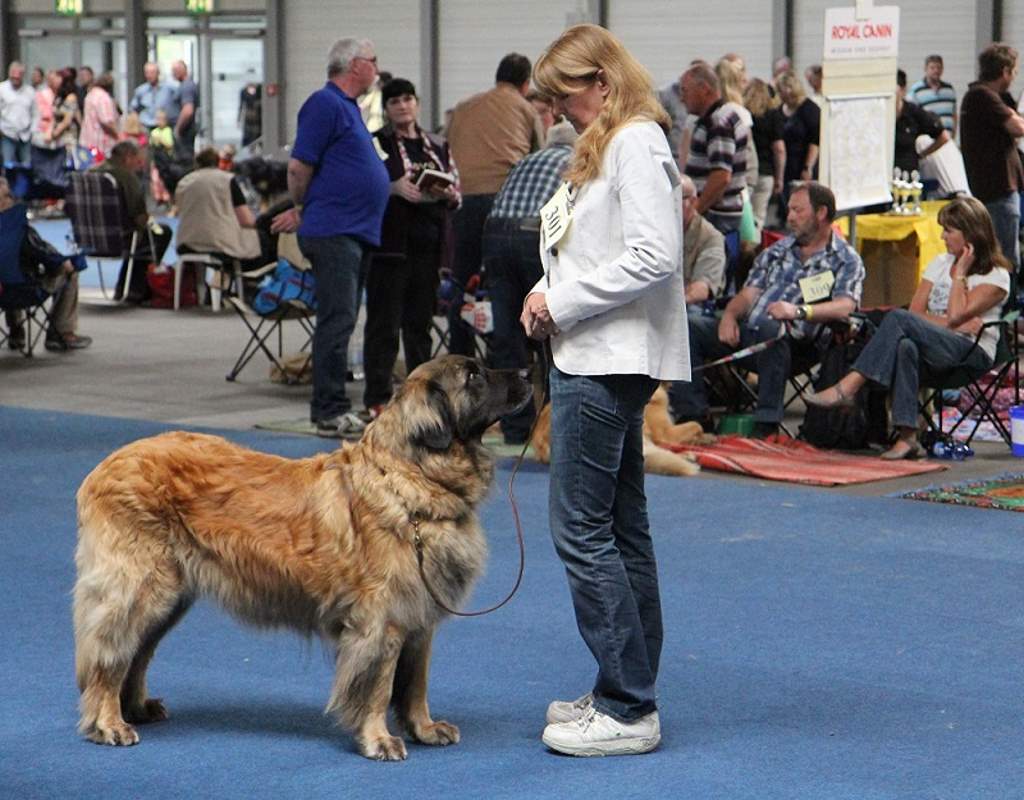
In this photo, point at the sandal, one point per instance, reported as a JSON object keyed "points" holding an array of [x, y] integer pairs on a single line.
{"points": [[841, 399], [902, 450]]}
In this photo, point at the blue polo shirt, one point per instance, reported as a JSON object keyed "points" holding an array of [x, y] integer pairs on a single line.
{"points": [[349, 190]]}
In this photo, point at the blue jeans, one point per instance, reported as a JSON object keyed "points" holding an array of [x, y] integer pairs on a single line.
{"points": [[1005, 213], [337, 261], [772, 366], [902, 345], [15, 151], [512, 262], [598, 514]]}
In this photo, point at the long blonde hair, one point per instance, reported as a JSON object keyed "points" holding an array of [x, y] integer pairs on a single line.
{"points": [[758, 99], [571, 64], [730, 77]]}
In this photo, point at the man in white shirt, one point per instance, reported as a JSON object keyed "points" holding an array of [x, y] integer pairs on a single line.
{"points": [[17, 106]]}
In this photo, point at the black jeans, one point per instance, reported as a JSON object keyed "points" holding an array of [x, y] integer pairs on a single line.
{"points": [[401, 294], [469, 230], [511, 257]]}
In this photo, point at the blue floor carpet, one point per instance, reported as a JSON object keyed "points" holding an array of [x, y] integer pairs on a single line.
{"points": [[817, 646]]}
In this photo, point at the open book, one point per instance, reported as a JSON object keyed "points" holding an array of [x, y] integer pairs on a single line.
{"points": [[434, 180]]}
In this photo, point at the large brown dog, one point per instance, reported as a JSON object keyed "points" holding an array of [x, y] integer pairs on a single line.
{"points": [[325, 545]]}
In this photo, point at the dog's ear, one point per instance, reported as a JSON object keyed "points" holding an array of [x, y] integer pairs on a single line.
{"points": [[432, 424]]}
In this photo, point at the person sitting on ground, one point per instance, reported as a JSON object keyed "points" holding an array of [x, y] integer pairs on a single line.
{"points": [[810, 275], [214, 216], [125, 163], [703, 251], [41, 262], [959, 292]]}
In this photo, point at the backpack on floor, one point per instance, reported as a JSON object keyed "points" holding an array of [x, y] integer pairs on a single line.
{"points": [[846, 428]]}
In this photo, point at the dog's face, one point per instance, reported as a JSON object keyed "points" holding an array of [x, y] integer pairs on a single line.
{"points": [[454, 398]]}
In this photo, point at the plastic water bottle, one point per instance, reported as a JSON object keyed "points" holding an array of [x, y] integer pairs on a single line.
{"points": [[355, 345], [941, 450]]}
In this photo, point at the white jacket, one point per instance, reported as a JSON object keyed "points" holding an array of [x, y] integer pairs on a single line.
{"points": [[614, 282]]}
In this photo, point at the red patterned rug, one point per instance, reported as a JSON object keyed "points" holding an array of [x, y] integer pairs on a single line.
{"points": [[783, 459]]}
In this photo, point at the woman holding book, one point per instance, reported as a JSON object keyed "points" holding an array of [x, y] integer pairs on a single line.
{"points": [[401, 287], [612, 304]]}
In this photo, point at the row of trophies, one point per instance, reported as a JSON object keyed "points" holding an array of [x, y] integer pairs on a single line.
{"points": [[906, 193]]}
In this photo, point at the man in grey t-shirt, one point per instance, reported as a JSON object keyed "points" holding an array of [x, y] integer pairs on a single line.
{"points": [[183, 108]]}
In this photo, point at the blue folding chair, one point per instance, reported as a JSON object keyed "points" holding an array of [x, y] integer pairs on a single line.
{"points": [[19, 292]]}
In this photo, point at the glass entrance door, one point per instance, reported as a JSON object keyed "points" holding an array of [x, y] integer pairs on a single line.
{"points": [[235, 63]]}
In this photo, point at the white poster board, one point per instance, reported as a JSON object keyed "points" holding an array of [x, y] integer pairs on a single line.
{"points": [[860, 139], [875, 35]]}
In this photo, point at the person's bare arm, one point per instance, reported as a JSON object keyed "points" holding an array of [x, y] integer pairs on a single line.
{"points": [[779, 158], [299, 176], [245, 216], [940, 140], [184, 118], [1014, 125]]}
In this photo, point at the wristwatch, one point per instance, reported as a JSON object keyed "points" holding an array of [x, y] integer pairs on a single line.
{"points": [[801, 312]]}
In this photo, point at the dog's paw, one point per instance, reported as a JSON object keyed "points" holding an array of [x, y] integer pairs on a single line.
{"points": [[119, 734], [384, 748], [439, 733], [152, 710]]}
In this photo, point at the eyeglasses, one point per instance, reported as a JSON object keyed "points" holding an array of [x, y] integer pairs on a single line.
{"points": [[372, 60]]}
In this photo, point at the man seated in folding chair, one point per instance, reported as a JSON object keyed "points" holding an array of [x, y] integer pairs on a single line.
{"points": [[703, 251], [953, 323], [810, 277], [126, 162], [214, 218], [44, 273]]}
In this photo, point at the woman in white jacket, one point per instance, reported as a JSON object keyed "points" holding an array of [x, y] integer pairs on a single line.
{"points": [[612, 303]]}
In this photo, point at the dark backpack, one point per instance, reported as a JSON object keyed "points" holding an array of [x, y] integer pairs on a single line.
{"points": [[845, 428]]}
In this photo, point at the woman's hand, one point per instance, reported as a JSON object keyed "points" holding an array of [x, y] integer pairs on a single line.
{"points": [[964, 263], [407, 190], [536, 318], [971, 327]]}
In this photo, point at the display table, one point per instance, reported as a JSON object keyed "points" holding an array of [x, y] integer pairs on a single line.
{"points": [[896, 249]]}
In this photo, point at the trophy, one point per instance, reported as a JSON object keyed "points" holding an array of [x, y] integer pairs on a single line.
{"points": [[898, 189], [916, 190]]}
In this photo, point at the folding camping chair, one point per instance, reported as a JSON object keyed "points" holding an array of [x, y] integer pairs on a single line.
{"points": [[263, 324], [18, 292], [99, 222], [981, 388]]}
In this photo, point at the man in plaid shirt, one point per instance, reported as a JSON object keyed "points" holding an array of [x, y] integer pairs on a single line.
{"points": [[810, 277], [511, 256]]}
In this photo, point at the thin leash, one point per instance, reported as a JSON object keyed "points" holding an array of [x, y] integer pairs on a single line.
{"points": [[746, 351], [418, 540]]}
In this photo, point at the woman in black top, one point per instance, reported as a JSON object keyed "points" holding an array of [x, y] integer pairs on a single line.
{"points": [[801, 125], [401, 287], [767, 131]]}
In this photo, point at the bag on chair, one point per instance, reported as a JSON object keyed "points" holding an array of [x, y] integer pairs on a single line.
{"points": [[285, 283]]}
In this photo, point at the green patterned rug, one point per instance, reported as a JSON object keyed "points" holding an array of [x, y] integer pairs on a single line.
{"points": [[1003, 492]]}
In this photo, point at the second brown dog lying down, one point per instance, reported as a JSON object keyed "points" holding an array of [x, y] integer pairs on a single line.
{"points": [[658, 428]]}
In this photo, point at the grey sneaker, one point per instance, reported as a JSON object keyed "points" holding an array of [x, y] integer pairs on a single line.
{"points": [[566, 711], [597, 734], [346, 426]]}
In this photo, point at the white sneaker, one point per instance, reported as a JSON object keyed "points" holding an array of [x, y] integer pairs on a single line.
{"points": [[567, 711], [346, 426], [597, 734]]}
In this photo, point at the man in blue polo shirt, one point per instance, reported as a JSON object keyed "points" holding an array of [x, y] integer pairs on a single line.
{"points": [[340, 187], [935, 95]]}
